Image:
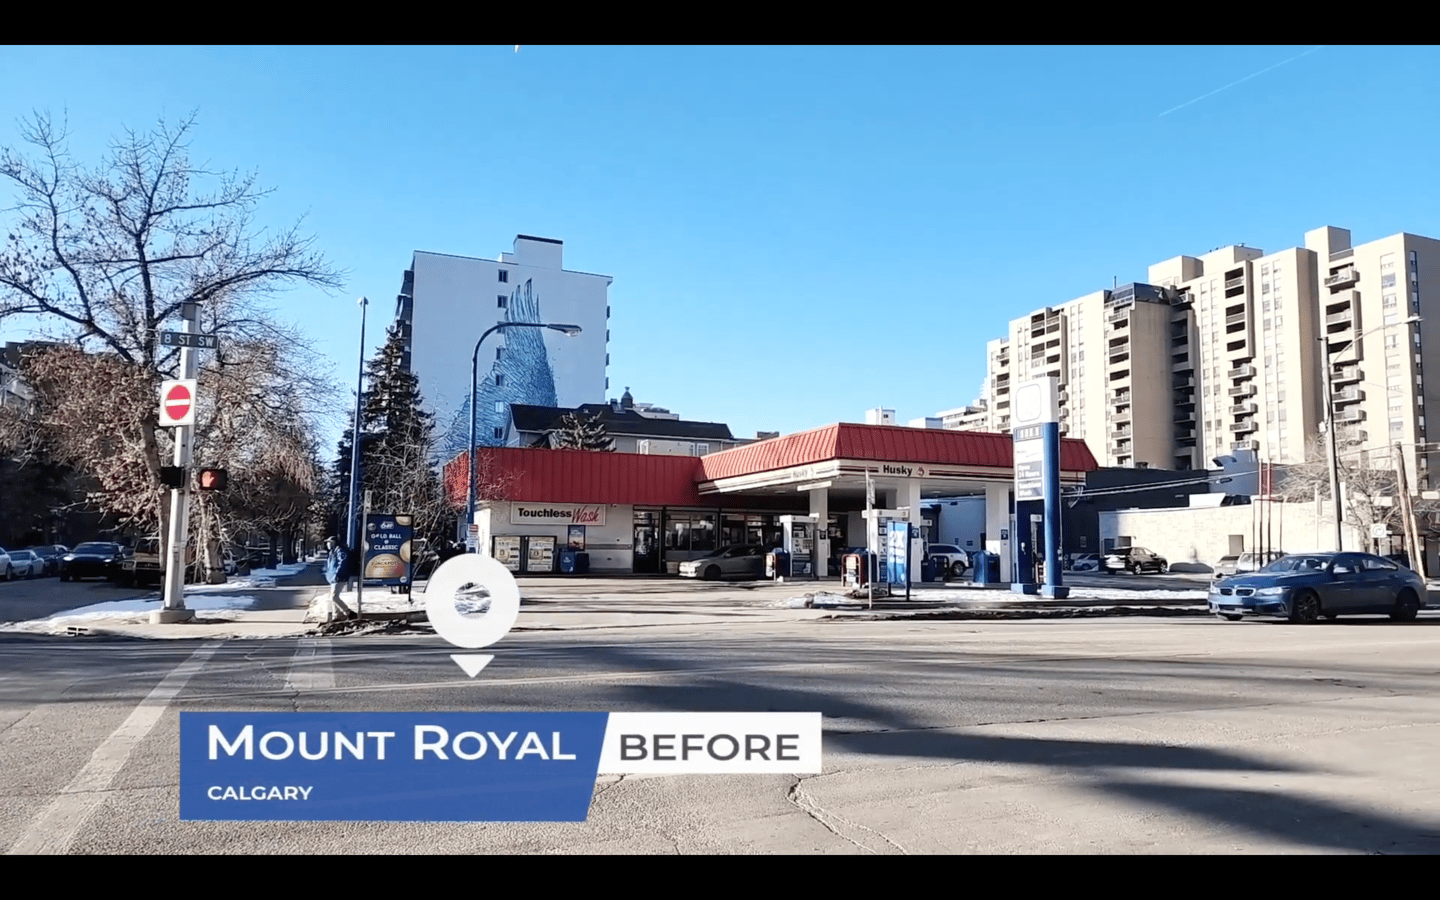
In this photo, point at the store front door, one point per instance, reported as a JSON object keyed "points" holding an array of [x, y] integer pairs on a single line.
{"points": [[647, 544]]}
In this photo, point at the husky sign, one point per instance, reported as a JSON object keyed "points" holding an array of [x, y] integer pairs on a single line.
{"points": [[1036, 459]]}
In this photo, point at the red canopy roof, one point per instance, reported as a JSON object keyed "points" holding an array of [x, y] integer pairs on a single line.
{"points": [[882, 443]]}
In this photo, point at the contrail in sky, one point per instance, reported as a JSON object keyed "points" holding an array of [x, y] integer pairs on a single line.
{"points": [[1246, 78]]}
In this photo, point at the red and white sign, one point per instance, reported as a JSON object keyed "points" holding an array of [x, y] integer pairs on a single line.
{"points": [[177, 403], [557, 514]]}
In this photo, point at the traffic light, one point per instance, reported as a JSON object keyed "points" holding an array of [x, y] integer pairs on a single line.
{"points": [[172, 476], [213, 479]]}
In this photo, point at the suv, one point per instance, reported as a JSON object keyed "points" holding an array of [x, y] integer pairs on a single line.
{"points": [[144, 564], [949, 559], [1134, 560]]}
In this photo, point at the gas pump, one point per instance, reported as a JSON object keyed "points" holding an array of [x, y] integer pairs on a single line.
{"points": [[799, 540]]}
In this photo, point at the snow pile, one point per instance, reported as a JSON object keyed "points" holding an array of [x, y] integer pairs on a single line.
{"points": [[135, 611], [818, 600]]}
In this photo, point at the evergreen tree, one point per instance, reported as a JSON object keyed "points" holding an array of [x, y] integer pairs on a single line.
{"points": [[397, 435], [579, 431]]}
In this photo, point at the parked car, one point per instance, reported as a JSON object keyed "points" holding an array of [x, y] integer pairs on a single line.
{"points": [[25, 564], [739, 560], [1135, 560], [97, 559], [1084, 562], [949, 558], [1304, 587], [1242, 563], [51, 554], [7, 571]]}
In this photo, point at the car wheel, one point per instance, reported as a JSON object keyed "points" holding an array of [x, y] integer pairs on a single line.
{"points": [[1134, 568], [9, 573], [1164, 567], [957, 568], [1305, 608], [1407, 607], [712, 573], [1231, 617]]}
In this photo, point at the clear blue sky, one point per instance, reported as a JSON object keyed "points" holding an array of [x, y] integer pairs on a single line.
{"points": [[796, 234]]}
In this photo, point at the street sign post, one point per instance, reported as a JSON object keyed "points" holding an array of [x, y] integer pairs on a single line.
{"points": [[193, 341], [177, 403]]}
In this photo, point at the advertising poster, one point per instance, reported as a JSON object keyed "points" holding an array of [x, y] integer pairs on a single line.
{"points": [[507, 551], [577, 537], [542, 555], [388, 548], [897, 552]]}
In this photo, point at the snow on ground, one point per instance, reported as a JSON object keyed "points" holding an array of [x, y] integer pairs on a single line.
{"points": [[133, 612], [258, 578], [986, 595]]}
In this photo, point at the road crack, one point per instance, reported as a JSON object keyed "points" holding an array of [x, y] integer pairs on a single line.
{"points": [[807, 804]]}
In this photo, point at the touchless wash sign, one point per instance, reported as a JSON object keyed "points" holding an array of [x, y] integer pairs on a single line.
{"points": [[462, 767]]}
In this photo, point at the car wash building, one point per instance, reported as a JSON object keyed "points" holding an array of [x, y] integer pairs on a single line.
{"points": [[644, 514]]}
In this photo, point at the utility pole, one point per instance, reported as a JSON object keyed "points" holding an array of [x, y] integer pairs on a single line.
{"points": [[1412, 536], [173, 609], [1334, 462]]}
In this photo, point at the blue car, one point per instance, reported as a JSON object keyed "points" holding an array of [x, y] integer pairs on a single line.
{"points": [[1305, 587]]}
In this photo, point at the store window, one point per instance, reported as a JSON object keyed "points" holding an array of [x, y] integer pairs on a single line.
{"points": [[690, 532]]}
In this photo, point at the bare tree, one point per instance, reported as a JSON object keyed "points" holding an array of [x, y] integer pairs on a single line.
{"points": [[102, 260], [1368, 484]]}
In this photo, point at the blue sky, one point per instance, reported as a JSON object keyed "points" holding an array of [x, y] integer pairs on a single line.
{"points": [[796, 234]]}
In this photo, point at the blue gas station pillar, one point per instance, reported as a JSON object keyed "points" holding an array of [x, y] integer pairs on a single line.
{"points": [[1053, 586]]}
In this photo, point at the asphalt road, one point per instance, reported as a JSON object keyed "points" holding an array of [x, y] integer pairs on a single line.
{"points": [[1188, 736]]}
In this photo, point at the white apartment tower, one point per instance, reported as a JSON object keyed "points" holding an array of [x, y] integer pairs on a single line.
{"points": [[447, 302], [1222, 353]]}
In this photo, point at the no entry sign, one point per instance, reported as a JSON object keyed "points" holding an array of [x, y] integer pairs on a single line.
{"points": [[177, 403]]}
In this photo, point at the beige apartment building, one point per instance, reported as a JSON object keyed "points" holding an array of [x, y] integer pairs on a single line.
{"points": [[1222, 352]]}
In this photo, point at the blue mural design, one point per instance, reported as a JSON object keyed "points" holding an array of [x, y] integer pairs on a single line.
{"points": [[526, 376]]}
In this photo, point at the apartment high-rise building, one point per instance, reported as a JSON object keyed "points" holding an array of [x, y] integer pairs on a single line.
{"points": [[1380, 391], [1223, 353], [447, 302]]}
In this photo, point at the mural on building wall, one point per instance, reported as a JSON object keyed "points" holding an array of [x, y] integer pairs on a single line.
{"points": [[524, 373]]}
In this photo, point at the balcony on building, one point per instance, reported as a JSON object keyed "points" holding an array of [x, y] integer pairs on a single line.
{"points": [[1242, 390], [1251, 445], [1184, 412], [1237, 318], [1121, 414], [1343, 278], [1235, 282], [1351, 415], [1183, 382], [1243, 409], [1241, 372], [1244, 427], [1120, 375], [1352, 394]]}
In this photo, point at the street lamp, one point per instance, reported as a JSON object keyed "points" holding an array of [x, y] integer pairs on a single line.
{"points": [[568, 330], [355, 438], [1334, 462]]}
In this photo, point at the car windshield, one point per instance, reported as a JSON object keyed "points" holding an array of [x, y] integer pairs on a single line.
{"points": [[1298, 564], [95, 548]]}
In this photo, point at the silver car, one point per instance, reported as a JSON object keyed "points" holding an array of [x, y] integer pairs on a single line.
{"points": [[26, 564], [738, 561]]}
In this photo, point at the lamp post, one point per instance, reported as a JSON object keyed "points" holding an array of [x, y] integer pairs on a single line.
{"points": [[355, 437], [568, 330], [1334, 461]]}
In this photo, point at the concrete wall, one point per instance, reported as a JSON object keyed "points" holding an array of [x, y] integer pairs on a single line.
{"points": [[961, 522], [1195, 539]]}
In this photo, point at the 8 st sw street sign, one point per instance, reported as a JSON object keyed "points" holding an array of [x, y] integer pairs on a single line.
{"points": [[177, 403], [185, 339]]}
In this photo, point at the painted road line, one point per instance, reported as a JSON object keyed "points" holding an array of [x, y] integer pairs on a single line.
{"points": [[53, 832], [310, 668]]}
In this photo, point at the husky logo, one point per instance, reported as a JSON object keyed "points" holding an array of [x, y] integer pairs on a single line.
{"points": [[907, 471]]}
